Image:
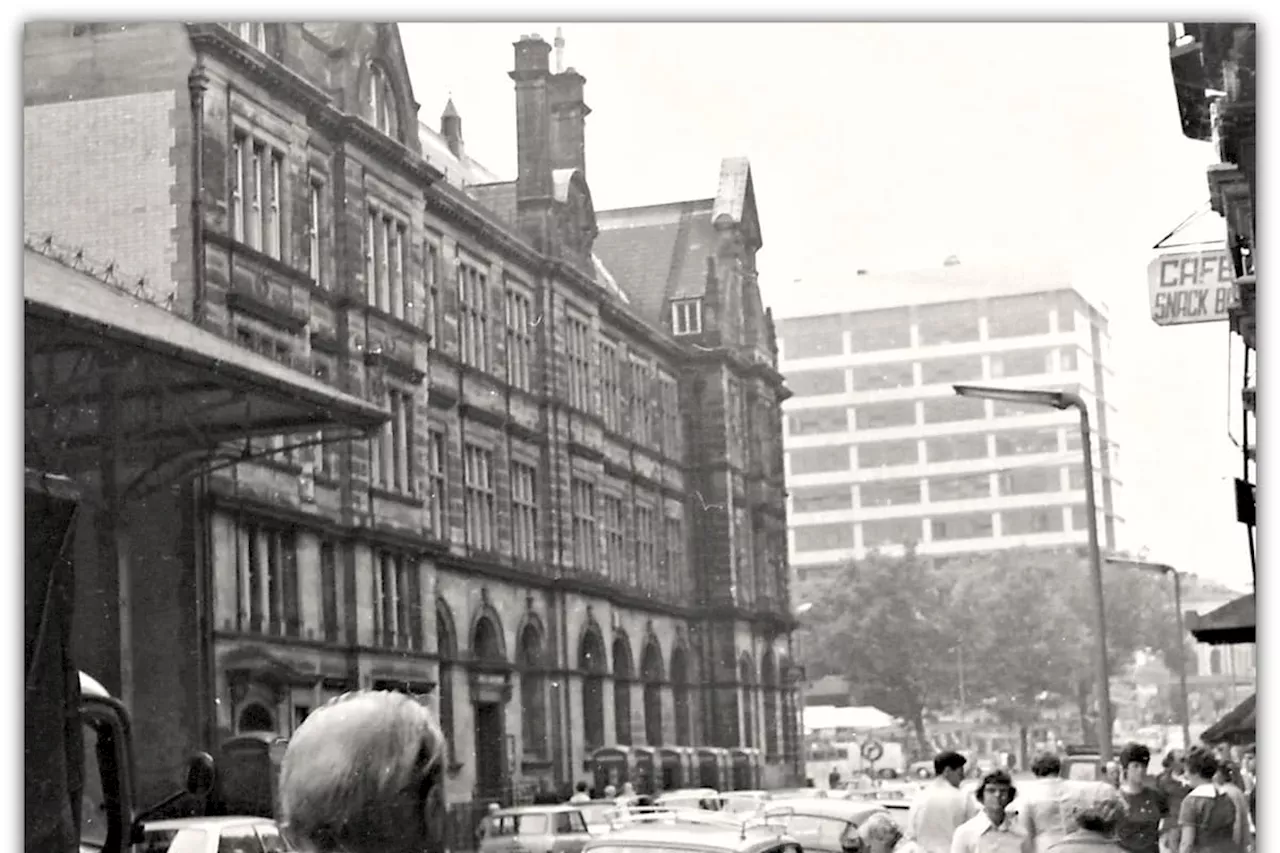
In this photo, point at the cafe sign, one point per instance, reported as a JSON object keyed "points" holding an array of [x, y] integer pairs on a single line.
{"points": [[1191, 286]]}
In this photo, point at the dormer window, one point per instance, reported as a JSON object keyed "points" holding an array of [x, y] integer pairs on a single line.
{"points": [[253, 33], [382, 102], [686, 316]]}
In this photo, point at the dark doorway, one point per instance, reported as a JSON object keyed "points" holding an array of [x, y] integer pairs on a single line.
{"points": [[255, 718], [490, 761]]}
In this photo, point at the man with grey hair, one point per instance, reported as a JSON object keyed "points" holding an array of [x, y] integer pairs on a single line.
{"points": [[879, 833], [1092, 810], [364, 774]]}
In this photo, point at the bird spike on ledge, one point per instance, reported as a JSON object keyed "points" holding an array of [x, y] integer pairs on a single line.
{"points": [[107, 272]]}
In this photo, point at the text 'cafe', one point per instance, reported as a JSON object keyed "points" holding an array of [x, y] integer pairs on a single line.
{"points": [[1191, 287]]}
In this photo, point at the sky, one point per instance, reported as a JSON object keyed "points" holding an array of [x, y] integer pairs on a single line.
{"points": [[892, 146]]}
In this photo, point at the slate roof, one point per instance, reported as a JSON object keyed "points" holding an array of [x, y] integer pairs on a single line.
{"points": [[657, 252], [499, 198], [459, 171]]}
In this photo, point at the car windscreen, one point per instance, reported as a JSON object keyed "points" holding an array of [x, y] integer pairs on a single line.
{"points": [[1082, 771], [173, 841], [516, 824]]}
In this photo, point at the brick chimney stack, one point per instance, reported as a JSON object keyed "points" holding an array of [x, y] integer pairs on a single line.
{"points": [[533, 119], [568, 121], [451, 128]]}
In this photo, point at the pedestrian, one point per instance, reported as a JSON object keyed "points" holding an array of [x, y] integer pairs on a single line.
{"points": [[1171, 783], [581, 794], [833, 779], [1111, 772], [992, 830], [364, 773], [1040, 807], [1146, 806], [1093, 811], [1228, 779], [1209, 820], [610, 792], [879, 833], [940, 806]]}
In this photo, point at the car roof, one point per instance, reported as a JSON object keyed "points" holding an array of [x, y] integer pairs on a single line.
{"points": [[679, 835], [539, 809], [817, 807], [206, 822]]}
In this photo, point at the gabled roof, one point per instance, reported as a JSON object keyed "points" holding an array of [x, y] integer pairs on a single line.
{"points": [[657, 252], [736, 197]]}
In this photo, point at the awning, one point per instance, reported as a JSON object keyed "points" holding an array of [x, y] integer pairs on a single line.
{"points": [[1238, 726], [1232, 623], [107, 369]]}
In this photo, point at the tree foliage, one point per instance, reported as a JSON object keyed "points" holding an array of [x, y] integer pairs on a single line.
{"points": [[1016, 626], [883, 623]]}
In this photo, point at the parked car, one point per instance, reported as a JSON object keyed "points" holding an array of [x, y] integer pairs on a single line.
{"points": [[212, 835], [820, 825], [695, 831], [535, 829]]}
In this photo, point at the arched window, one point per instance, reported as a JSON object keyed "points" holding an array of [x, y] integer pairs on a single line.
{"points": [[651, 675], [680, 693], [1215, 662], [486, 643], [622, 678], [255, 718], [447, 652], [769, 678], [747, 678], [383, 111], [533, 696], [591, 660], [253, 32]]}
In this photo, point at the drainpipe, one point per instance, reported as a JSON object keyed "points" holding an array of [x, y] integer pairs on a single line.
{"points": [[202, 520], [551, 360], [197, 85]]}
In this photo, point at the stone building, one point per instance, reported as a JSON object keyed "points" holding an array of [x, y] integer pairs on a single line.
{"points": [[570, 533]]}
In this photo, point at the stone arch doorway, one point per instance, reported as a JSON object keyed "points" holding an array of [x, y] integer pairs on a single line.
{"points": [[652, 676], [490, 692], [680, 695], [623, 676], [594, 666]]}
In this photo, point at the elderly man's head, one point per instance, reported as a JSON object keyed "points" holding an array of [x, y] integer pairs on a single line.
{"points": [[878, 833], [1093, 807], [364, 774]]}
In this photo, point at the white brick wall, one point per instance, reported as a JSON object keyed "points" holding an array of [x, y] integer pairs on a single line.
{"points": [[98, 174]]}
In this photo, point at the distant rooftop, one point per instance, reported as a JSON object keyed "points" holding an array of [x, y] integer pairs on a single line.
{"points": [[871, 290]]}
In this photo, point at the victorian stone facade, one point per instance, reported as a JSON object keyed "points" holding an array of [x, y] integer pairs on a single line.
{"points": [[570, 533]]}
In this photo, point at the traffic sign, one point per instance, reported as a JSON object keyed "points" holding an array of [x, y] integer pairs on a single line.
{"points": [[872, 751]]}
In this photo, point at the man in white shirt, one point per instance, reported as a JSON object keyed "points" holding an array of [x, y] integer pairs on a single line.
{"points": [[941, 807], [581, 795], [992, 830]]}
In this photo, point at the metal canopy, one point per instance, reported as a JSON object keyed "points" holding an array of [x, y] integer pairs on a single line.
{"points": [[1233, 623], [109, 372]]}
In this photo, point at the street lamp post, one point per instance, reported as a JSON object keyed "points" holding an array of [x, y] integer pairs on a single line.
{"points": [[1185, 710], [1062, 400]]}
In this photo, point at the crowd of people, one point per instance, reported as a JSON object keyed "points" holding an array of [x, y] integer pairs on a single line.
{"points": [[365, 774], [1200, 803]]}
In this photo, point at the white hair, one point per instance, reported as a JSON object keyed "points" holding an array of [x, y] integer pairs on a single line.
{"points": [[364, 774]]}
